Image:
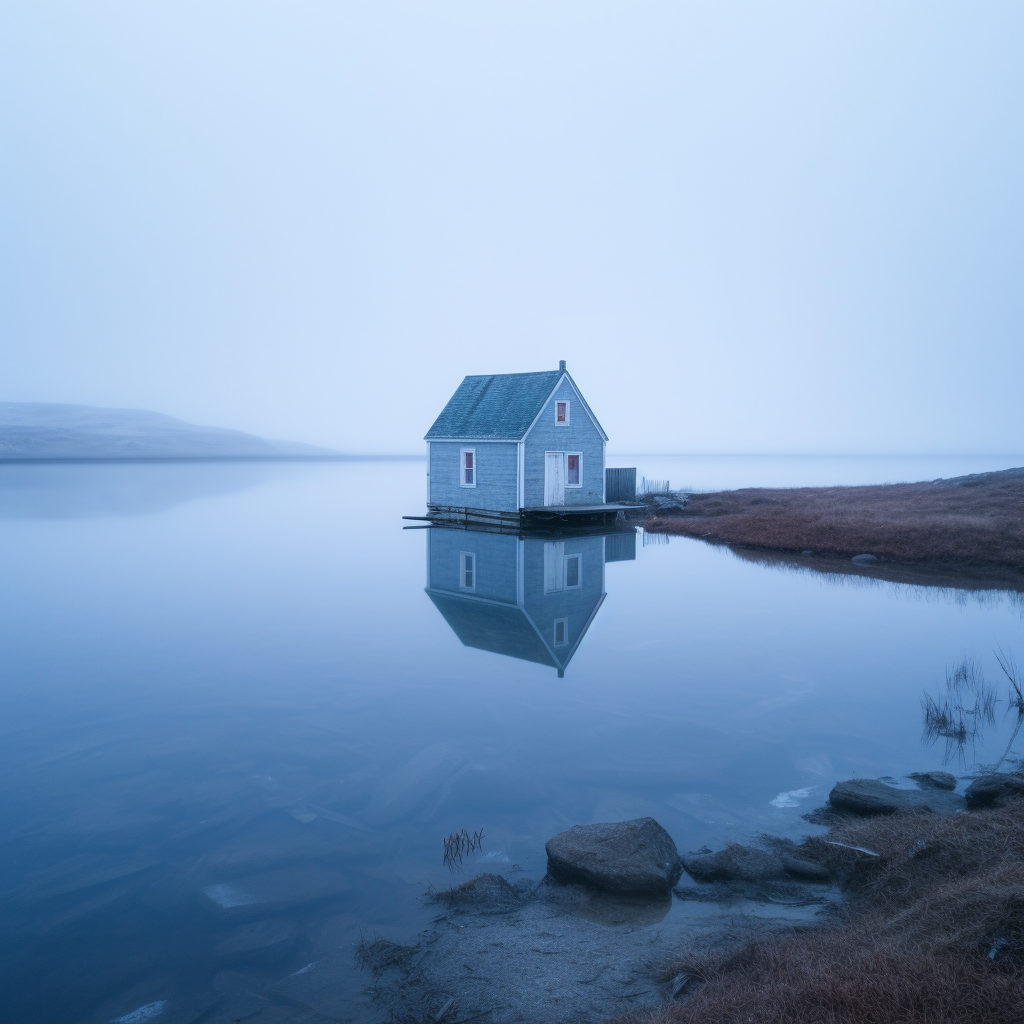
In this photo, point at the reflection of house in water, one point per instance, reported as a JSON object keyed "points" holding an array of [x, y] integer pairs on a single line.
{"points": [[527, 597]]}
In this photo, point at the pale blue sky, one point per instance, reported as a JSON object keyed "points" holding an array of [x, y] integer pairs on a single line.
{"points": [[776, 227]]}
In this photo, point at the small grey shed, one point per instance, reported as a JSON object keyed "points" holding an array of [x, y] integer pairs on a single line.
{"points": [[510, 442]]}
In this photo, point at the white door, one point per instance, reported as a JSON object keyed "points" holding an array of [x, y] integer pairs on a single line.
{"points": [[554, 478], [554, 562]]}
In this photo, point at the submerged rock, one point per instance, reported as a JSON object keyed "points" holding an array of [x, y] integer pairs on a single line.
{"points": [[864, 559], [737, 863], [486, 894], [934, 780], [872, 796], [636, 856], [804, 869], [994, 790]]}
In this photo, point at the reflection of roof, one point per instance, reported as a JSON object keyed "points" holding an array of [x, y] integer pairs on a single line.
{"points": [[500, 405], [504, 628], [499, 628]]}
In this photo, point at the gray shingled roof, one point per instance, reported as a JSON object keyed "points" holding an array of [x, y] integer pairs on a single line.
{"points": [[500, 406]]}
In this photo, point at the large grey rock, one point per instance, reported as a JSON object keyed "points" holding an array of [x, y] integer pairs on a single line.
{"points": [[994, 790], [623, 856], [872, 796]]}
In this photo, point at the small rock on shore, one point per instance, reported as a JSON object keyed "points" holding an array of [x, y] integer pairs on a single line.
{"points": [[737, 863], [994, 790], [872, 796]]}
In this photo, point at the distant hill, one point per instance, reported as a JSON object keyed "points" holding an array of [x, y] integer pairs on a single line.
{"points": [[37, 430]]}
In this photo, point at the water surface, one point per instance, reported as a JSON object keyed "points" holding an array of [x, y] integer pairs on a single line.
{"points": [[241, 709]]}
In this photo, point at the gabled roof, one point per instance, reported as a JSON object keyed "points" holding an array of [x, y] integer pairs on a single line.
{"points": [[499, 406]]}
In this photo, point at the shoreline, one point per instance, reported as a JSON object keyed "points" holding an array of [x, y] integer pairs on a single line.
{"points": [[909, 909], [929, 929], [975, 521]]}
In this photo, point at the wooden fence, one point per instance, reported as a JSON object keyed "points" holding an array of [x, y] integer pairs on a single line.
{"points": [[620, 484]]}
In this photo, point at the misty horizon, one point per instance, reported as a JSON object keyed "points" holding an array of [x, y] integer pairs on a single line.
{"points": [[745, 229], [612, 451]]}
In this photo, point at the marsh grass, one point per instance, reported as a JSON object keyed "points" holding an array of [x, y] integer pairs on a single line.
{"points": [[459, 844], [933, 933], [968, 706], [976, 520]]}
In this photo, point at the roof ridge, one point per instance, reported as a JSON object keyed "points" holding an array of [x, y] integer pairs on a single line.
{"points": [[525, 373]]}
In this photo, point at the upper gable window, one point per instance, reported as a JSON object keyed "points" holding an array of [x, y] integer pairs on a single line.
{"points": [[562, 414], [467, 475]]}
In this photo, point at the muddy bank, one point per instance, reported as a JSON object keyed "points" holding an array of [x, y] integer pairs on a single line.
{"points": [[977, 579], [552, 953], [968, 521]]}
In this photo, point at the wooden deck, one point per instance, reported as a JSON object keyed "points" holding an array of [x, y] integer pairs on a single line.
{"points": [[577, 509], [539, 516]]}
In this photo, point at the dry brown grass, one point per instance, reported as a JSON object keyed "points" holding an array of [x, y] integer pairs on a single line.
{"points": [[934, 934], [974, 520], [837, 978]]}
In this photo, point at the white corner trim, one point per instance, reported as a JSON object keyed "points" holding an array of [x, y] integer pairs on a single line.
{"points": [[521, 474]]}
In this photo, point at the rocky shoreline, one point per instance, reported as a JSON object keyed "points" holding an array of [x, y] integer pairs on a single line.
{"points": [[909, 908]]}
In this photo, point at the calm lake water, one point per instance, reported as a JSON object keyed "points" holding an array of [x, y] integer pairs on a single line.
{"points": [[238, 715]]}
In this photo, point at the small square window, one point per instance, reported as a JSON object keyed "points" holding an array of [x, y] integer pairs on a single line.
{"points": [[467, 570], [561, 632], [468, 467], [562, 414], [573, 467]]}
